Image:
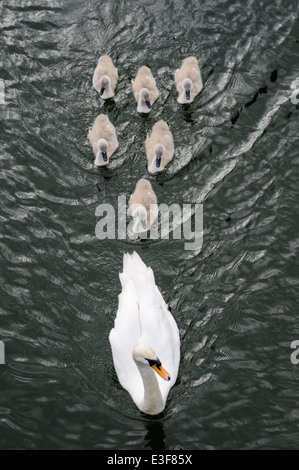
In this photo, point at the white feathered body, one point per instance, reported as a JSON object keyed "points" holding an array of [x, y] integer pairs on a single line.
{"points": [[143, 315]]}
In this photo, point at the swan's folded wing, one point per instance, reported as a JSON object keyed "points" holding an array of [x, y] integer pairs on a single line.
{"points": [[123, 337], [163, 335]]}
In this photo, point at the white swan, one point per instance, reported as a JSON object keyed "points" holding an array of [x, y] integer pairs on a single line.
{"points": [[105, 77], [103, 139], [159, 147], [188, 80], [143, 205], [145, 337], [145, 90]]}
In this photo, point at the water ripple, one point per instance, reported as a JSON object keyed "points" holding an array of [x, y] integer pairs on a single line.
{"points": [[235, 151]]}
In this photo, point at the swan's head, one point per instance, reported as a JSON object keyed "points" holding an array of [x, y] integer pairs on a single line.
{"points": [[145, 96], [159, 151], [102, 158], [140, 216], [104, 82], [187, 85], [145, 355]]}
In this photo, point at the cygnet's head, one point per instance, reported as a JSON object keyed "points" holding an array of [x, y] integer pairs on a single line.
{"points": [[104, 82], [145, 96], [187, 85], [145, 355], [159, 150], [102, 158], [140, 215]]}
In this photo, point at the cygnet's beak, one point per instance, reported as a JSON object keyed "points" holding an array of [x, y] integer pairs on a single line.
{"points": [[101, 158], [148, 104], [161, 371], [143, 223], [158, 162], [188, 94], [102, 91]]}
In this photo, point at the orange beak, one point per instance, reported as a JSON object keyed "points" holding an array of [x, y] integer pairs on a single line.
{"points": [[162, 372]]}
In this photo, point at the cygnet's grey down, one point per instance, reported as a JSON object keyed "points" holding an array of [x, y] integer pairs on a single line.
{"points": [[159, 147], [105, 77], [188, 80], [103, 139], [143, 205], [145, 90]]}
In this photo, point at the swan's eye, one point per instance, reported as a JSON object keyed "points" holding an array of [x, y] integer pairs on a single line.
{"points": [[154, 362]]}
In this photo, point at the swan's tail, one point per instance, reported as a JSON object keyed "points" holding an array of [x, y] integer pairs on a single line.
{"points": [[133, 265], [136, 273]]}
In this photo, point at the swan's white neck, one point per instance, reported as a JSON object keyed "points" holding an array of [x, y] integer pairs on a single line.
{"points": [[142, 106], [152, 400]]}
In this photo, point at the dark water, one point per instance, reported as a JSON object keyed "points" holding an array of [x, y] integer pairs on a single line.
{"points": [[234, 302]]}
